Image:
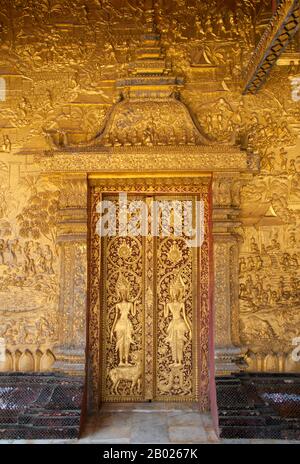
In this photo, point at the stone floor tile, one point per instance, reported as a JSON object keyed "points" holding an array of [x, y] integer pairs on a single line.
{"points": [[187, 434], [119, 431], [104, 441], [186, 419], [206, 419], [212, 436], [150, 419], [149, 432]]}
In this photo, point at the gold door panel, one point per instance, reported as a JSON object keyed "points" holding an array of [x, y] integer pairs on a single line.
{"points": [[149, 317], [123, 318], [175, 320]]}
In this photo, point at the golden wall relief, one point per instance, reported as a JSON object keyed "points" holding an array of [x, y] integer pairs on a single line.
{"points": [[72, 314], [252, 122], [60, 61], [269, 264], [269, 297], [267, 124], [28, 273]]}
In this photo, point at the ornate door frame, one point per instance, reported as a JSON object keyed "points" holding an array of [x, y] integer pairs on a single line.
{"points": [[160, 183], [69, 171]]}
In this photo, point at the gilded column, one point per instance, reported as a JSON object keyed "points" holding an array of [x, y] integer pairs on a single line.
{"points": [[72, 242], [228, 351]]}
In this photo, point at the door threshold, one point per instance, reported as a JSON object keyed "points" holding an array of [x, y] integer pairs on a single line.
{"points": [[150, 406]]}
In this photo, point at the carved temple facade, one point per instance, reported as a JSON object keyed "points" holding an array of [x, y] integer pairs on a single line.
{"points": [[151, 142], [154, 109]]}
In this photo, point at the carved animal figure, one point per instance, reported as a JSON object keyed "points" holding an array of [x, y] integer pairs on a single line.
{"points": [[27, 332], [128, 373], [4, 328]]}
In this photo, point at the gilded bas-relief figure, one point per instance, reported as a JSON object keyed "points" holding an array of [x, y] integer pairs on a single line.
{"points": [[128, 373], [122, 315], [60, 63], [179, 326], [122, 326], [177, 317]]}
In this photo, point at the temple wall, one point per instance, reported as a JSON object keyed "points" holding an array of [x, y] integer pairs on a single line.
{"points": [[269, 245], [29, 267], [60, 65]]}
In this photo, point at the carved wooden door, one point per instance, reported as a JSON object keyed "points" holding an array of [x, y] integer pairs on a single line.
{"points": [[149, 315]]}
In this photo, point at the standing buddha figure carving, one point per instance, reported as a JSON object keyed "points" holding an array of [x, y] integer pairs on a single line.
{"points": [[122, 327], [179, 325]]}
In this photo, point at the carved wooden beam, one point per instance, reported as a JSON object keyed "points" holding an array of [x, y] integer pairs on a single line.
{"points": [[279, 32]]}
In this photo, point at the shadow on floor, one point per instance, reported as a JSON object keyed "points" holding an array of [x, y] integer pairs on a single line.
{"points": [[149, 423]]}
